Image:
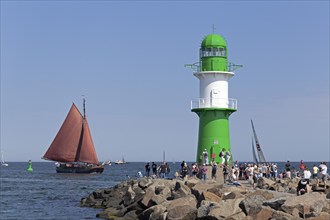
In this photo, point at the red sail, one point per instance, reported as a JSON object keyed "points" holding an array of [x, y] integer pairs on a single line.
{"points": [[65, 146], [87, 152]]}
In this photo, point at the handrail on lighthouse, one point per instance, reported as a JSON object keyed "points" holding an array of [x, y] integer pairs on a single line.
{"points": [[214, 103], [196, 67]]}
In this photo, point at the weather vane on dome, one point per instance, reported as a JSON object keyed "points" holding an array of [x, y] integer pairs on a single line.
{"points": [[213, 28]]}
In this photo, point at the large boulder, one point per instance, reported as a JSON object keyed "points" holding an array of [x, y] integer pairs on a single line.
{"points": [[232, 195], [146, 201], [310, 204], [109, 213], [208, 196], [180, 190], [129, 196], [265, 183], [158, 199], [181, 212], [251, 205], [145, 182], [154, 212], [217, 190], [220, 210], [275, 203], [204, 208], [226, 209], [191, 182], [201, 187], [188, 200]]}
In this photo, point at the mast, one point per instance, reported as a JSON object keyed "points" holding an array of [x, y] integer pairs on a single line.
{"points": [[260, 153], [82, 133], [84, 101], [255, 160]]}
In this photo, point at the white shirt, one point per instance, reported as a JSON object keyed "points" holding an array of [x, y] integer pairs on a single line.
{"points": [[323, 169], [307, 174], [234, 177]]}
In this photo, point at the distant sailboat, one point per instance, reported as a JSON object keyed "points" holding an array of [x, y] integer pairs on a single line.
{"points": [[3, 163], [259, 151], [73, 148], [122, 161]]}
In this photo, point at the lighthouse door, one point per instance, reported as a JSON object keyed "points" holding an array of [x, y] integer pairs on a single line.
{"points": [[215, 151], [215, 98]]}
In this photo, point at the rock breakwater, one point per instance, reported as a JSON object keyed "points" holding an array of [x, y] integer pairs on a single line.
{"points": [[192, 198]]}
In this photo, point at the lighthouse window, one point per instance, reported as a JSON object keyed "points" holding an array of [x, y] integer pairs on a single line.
{"points": [[208, 52], [203, 52], [215, 51], [222, 52]]}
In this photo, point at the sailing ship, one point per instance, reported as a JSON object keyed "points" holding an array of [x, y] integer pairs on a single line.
{"points": [[3, 163], [259, 151], [73, 148]]}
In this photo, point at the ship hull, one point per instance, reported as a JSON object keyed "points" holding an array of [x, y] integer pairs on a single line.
{"points": [[65, 168]]}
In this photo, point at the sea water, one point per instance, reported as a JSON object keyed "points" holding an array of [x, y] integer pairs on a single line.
{"points": [[45, 194]]}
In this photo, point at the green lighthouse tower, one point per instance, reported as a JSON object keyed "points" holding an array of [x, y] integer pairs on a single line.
{"points": [[213, 105]]}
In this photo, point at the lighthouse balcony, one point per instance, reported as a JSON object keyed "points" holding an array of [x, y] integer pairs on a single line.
{"points": [[214, 103]]}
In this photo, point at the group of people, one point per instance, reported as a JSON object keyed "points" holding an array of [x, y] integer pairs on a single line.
{"points": [[196, 171], [320, 171], [235, 172], [224, 155], [252, 172], [161, 171]]}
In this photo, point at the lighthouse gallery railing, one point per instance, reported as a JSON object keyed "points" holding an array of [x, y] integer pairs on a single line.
{"points": [[214, 103]]}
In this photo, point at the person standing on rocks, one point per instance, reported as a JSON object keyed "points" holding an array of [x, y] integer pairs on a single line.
{"points": [[307, 174], [255, 177], [184, 169], [168, 170], [214, 170], [225, 173], [205, 157], [324, 172], [302, 165], [163, 170], [147, 167], [288, 169], [228, 156], [154, 168], [194, 170], [315, 171], [274, 171], [204, 171], [222, 155]]}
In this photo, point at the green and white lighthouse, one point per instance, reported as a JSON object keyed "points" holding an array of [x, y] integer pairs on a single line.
{"points": [[213, 105]]}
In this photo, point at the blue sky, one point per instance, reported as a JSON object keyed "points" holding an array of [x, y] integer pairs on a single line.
{"points": [[127, 58]]}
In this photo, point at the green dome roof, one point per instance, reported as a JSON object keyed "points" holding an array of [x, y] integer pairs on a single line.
{"points": [[212, 40]]}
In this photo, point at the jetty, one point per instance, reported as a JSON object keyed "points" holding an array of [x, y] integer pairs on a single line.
{"points": [[192, 198]]}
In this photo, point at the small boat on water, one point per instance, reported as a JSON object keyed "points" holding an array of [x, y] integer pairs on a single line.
{"points": [[3, 163], [259, 151], [73, 148], [122, 161], [106, 163]]}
